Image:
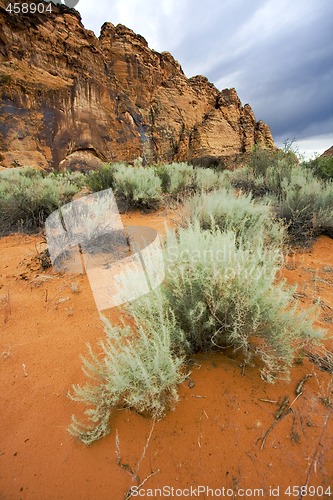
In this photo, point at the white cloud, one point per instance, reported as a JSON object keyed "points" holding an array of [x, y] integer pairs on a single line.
{"points": [[311, 146]]}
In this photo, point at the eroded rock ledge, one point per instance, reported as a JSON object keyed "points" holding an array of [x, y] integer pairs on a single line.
{"points": [[71, 99]]}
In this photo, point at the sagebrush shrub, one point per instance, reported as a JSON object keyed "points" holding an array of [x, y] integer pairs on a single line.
{"points": [[206, 179], [177, 178], [224, 294], [101, 178], [261, 181], [137, 186], [219, 292], [139, 368], [242, 215], [27, 198], [181, 180], [262, 159], [300, 199], [72, 177], [306, 205], [322, 167]]}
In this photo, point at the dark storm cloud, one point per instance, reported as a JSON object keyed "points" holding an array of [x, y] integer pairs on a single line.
{"points": [[285, 72]]}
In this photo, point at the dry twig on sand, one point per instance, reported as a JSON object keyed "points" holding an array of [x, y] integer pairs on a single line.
{"points": [[134, 473]]}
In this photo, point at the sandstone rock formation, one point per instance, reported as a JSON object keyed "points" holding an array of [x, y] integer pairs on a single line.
{"points": [[328, 152], [71, 99]]}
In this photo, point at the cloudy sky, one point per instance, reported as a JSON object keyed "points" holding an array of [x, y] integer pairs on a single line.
{"points": [[278, 54]]}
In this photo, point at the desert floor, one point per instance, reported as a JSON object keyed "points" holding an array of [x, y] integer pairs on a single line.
{"points": [[214, 437]]}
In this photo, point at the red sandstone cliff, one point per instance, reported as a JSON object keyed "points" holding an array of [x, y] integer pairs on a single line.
{"points": [[72, 99]]}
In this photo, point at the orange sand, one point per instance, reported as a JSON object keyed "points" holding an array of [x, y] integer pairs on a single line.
{"points": [[212, 438]]}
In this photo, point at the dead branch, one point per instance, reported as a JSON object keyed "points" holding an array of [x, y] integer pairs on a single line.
{"points": [[315, 457], [129, 494], [145, 447], [129, 469], [283, 411], [301, 383]]}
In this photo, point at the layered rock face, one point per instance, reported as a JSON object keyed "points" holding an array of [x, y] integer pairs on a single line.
{"points": [[69, 99], [328, 152]]}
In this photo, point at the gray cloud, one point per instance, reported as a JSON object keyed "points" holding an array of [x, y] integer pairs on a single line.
{"points": [[277, 54]]}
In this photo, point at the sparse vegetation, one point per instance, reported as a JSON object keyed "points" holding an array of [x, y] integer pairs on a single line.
{"points": [[322, 167], [181, 180], [176, 178], [139, 368], [137, 186], [220, 291], [248, 219], [300, 199], [101, 178], [305, 205], [27, 198], [223, 293]]}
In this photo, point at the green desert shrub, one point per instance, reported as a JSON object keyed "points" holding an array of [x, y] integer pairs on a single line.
{"points": [[139, 368], [77, 179], [261, 181], [321, 166], [264, 170], [176, 178], [224, 294], [162, 173], [299, 198], [27, 198], [262, 159], [242, 214], [219, 292], [306, 205], [207, 179], [181, 180], [137, 186], [101, 178]]}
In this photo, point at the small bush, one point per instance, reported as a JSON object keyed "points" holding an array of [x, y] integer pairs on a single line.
{"points": [[263, 181], [242, 215], [299, 198], [219, 292], [27, 198], [207, 180], [322, 167], [261, 160], [306, 205], [102, 178], [177, 179], [137, 186], [181, 180], [138, 369], [78, 179], [223, 294]]}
